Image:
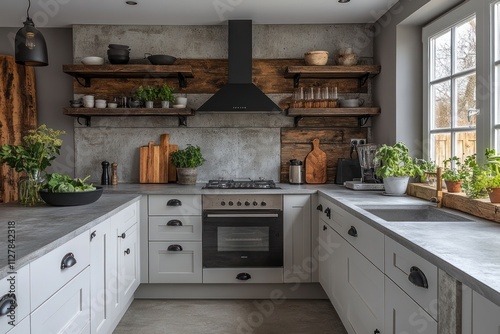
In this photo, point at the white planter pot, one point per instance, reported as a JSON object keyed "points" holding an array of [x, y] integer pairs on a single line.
{"points": [[396, 185], [149, 104], [165, 104]]}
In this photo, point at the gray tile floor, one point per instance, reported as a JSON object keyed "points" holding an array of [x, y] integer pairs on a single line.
{"points": [[230, 317]]}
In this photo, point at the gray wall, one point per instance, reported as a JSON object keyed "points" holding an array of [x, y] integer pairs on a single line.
{"points": [[235, 145], [53, 88]]}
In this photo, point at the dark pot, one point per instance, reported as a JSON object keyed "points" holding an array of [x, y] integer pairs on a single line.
{"points": [[160, 59], [118, 59], [118, 52], [118, 46]]}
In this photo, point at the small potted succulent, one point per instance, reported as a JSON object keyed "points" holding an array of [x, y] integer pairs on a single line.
{"points": [[148, 94], [186, 161], [397, 168], [165, 94]]}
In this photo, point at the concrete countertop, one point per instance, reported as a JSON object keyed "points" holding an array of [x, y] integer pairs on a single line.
{"points": [[468, 251], [38, 230]]}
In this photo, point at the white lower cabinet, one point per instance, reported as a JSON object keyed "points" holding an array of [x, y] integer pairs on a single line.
{"points": [[485, 315], [175, 262], [297, 238], [67, 311], [128, 265], [403, 315], [15, 299]]}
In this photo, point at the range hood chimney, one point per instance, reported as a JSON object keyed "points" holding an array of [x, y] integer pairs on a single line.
{"points": [[240, 94]]}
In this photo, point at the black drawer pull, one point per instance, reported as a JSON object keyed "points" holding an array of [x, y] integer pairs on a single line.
{"points": [[325, 228], [418, 278], [93, 235], [123, 235], [319, 208], [376, 331], [243, 276], [7, 303], [353, 232], [127, 251], [175, 248], [174, 202], [68, 261], [328, 212], [174, 222]]}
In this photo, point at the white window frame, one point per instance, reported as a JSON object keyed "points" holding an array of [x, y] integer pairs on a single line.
{"points": [[484, 68]]}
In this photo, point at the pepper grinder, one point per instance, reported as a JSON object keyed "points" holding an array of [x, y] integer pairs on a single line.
{"points": [[105, 173], [114, 174]]}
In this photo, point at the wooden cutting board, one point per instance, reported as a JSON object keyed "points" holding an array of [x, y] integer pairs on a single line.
{"points": [[164, 158], [316, 164], [154, 161], [172, 171]]}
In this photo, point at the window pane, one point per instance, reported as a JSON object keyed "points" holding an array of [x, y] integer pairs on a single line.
{"points": [[496, 31], [441, 56], [465, 143], [441, 147], [465, 46], [465, 99], [441, 110]]}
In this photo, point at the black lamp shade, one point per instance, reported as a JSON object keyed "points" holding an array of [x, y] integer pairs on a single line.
{"points": [[30, 46]]}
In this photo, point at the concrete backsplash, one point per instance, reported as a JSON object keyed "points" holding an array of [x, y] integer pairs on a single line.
{"points": [[235, 145]]}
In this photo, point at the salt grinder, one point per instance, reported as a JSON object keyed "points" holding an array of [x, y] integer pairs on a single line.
{"points": [[114, 174], [105, 173]]}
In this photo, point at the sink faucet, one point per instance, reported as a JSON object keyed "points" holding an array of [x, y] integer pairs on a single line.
{"points": [[438, 199]]}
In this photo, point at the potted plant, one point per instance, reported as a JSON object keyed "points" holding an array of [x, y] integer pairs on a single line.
{"points": [[454, 173], [397, 167], [148, 94], [489, 176], [39, 148], [186, 161], [428, 169], [165, 94]]}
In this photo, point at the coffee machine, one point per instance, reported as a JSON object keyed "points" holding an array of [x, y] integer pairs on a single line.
{"points": [[369, 181]]}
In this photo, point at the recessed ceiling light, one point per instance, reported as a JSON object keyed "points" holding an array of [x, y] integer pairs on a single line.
{"points": [[131, 3], [344, 1]]}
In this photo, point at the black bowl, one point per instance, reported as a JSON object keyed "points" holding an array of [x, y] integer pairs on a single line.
{"points": [[71, 199], [118, 59], [162, 59]]}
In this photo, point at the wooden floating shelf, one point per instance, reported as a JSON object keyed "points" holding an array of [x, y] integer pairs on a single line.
{"points": [[356, 71], [333, 111], [87, 112]]}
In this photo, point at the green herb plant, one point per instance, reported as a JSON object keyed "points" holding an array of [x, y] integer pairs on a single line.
{"points": [[165, 93], [60, 183], [190, 157], [489, 177], [146, 93], [396, 161], [474, 185], [455, 170]]}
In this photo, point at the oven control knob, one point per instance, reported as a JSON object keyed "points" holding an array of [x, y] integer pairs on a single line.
{"points": [[230, 203], [263, 203], [239, 203], [247, 203], [255, 203], [223, 203]]}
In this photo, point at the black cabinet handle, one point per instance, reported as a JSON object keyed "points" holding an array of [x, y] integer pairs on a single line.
{"points": [[319, 208], [175, 248], [243, 276], [352, 232], [328, 212], [123, 235], [93, 235], [174, 202], [68, 261], [174, 222], [7, 303], [127, 251], [325, 228], [376, 331], [418, 278]]}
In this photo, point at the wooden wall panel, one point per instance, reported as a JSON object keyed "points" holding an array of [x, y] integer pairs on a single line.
{"points": [[17, 115]]}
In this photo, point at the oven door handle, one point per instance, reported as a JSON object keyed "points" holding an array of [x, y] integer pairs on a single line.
{"points": [[242, 215]]}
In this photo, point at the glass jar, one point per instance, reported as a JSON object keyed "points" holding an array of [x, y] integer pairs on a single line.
{"points": [[28, 189]]}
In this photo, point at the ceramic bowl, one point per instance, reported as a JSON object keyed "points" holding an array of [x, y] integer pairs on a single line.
{"points": [[179, 106], [100, 105], [316, 57], [71, 199], [181, 100], [93, 60], [88, 104], [112, 105]]}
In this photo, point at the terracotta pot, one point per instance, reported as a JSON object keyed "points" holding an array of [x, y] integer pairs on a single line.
{"points": [[453, 186], [494, 194]]}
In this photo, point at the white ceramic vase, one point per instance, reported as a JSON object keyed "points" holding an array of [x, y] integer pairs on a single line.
{"points": [[396, 185]]}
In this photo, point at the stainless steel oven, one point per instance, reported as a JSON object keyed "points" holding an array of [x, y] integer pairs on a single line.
{"points": [[242, 231]]}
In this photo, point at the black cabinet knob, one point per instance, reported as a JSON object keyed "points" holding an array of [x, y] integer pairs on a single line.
{"points": [[243, 276], [417, 277], [174, 222], [174, 202], [325, 228], [127, 251], [68, 261], [328, 212], [353, 232], [7, 303], [93, 235], [319, 208], [175, 248], [123, 235]]}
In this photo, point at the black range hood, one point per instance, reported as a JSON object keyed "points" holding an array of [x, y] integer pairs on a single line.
{"points": [[240, 94]]}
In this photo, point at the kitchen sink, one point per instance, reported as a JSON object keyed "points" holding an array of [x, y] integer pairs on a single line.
{"points": [[413, 213]]}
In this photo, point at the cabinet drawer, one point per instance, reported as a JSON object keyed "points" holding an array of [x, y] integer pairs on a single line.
{"points": [[124, 219], [183, 265], [19, 285], [174, 205], [181, 228], [367, 240], [46, 275], [67, 311], [247, 275], [398, 262]]}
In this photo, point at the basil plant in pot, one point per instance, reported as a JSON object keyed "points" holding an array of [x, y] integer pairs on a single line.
{"points": [[397, 168], [186, 161], [147, 94], [165, 94]]}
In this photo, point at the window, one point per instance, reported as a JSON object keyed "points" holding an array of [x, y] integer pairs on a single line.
{"points": [[461, 81]]}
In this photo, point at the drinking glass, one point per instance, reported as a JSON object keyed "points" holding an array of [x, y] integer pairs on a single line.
{"points": [[309, 98]]}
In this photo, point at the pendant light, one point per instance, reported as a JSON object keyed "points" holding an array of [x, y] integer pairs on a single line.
{"points": [[30, 46]]}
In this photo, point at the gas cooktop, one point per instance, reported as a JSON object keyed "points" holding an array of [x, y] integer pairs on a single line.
{"points": [[241, 184]]}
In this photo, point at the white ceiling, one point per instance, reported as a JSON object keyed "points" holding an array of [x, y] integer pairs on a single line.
{"points": [[64, 13]]}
